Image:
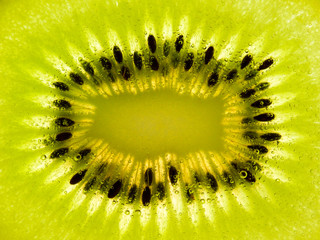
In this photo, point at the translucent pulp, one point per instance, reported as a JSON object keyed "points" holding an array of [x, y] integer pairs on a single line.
{"points": [[157, 122]]}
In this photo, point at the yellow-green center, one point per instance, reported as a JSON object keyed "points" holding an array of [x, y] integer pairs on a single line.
{"points": [[158, 122]]}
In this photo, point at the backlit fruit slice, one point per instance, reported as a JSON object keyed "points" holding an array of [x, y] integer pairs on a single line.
{"points": [[159, 120]]}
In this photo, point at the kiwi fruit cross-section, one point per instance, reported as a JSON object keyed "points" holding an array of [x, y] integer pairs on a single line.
{"points": [[159, 119]]}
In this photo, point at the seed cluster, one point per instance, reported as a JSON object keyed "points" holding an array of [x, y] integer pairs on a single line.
{"points": [[104, 177]]}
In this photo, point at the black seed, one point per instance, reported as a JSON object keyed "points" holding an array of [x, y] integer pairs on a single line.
{"points": [[78, 177], [61, 86], [106, 63], [154, 63], [76, 78], [262, 86], [227, 177], [212, 181], [261, 149], [246, 61], [137, 59], [62, 104], [247, 93], [250, 135], [64, 122], [246, 120], [160, 191], [132, 193], [208, 55], [146, 196], [125, 72], [189, 61], [173, 175], [115, 189], [117, 54], [179, 43], [152, 43], [213, 79], [189, 194], [250, 75], [148, 176], [88, 68], [271, 136], [59, 152], [166, 48], [84, 152], [267, 63], [250, 177], [261, 103], [232, 74], [264, 117], [63, 136], [89, 184]]}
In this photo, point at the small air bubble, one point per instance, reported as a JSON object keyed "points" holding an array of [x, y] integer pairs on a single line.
{"points": [[127, 212], [202, 200], [78, 157], [176, 191], [138, 212], [243, 174]]}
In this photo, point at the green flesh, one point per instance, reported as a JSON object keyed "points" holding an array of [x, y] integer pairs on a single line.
{"points": [[156, 119]]}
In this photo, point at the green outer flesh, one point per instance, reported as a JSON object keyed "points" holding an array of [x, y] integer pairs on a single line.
{"points": [[32, 210]]}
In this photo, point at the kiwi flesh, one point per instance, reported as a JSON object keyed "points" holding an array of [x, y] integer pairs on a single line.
{"points": [[74, 73]]}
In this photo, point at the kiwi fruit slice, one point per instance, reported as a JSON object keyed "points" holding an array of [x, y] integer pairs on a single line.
{"points": [[159, 119]]}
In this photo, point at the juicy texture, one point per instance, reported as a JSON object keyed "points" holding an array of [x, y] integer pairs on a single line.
{"points": [[30, 47]]}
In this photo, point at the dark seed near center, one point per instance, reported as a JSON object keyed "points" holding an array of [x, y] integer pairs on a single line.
{"points": [[63, 136], [262, 103], [62, 104], [179, 43], [267, 63], [173, 175], [59, 152], [213, 79], [212, 182], [117, 54], [61, 86], [260, 149], [137, 59], [125, 72], [152, 43], [88, 68], [271, 136], [76, 78], [246, 61], [146, 196], [189, 61], [232, 74], [208, 55], [115, 189], [154, 64], [78, 177], [106, 63]]}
